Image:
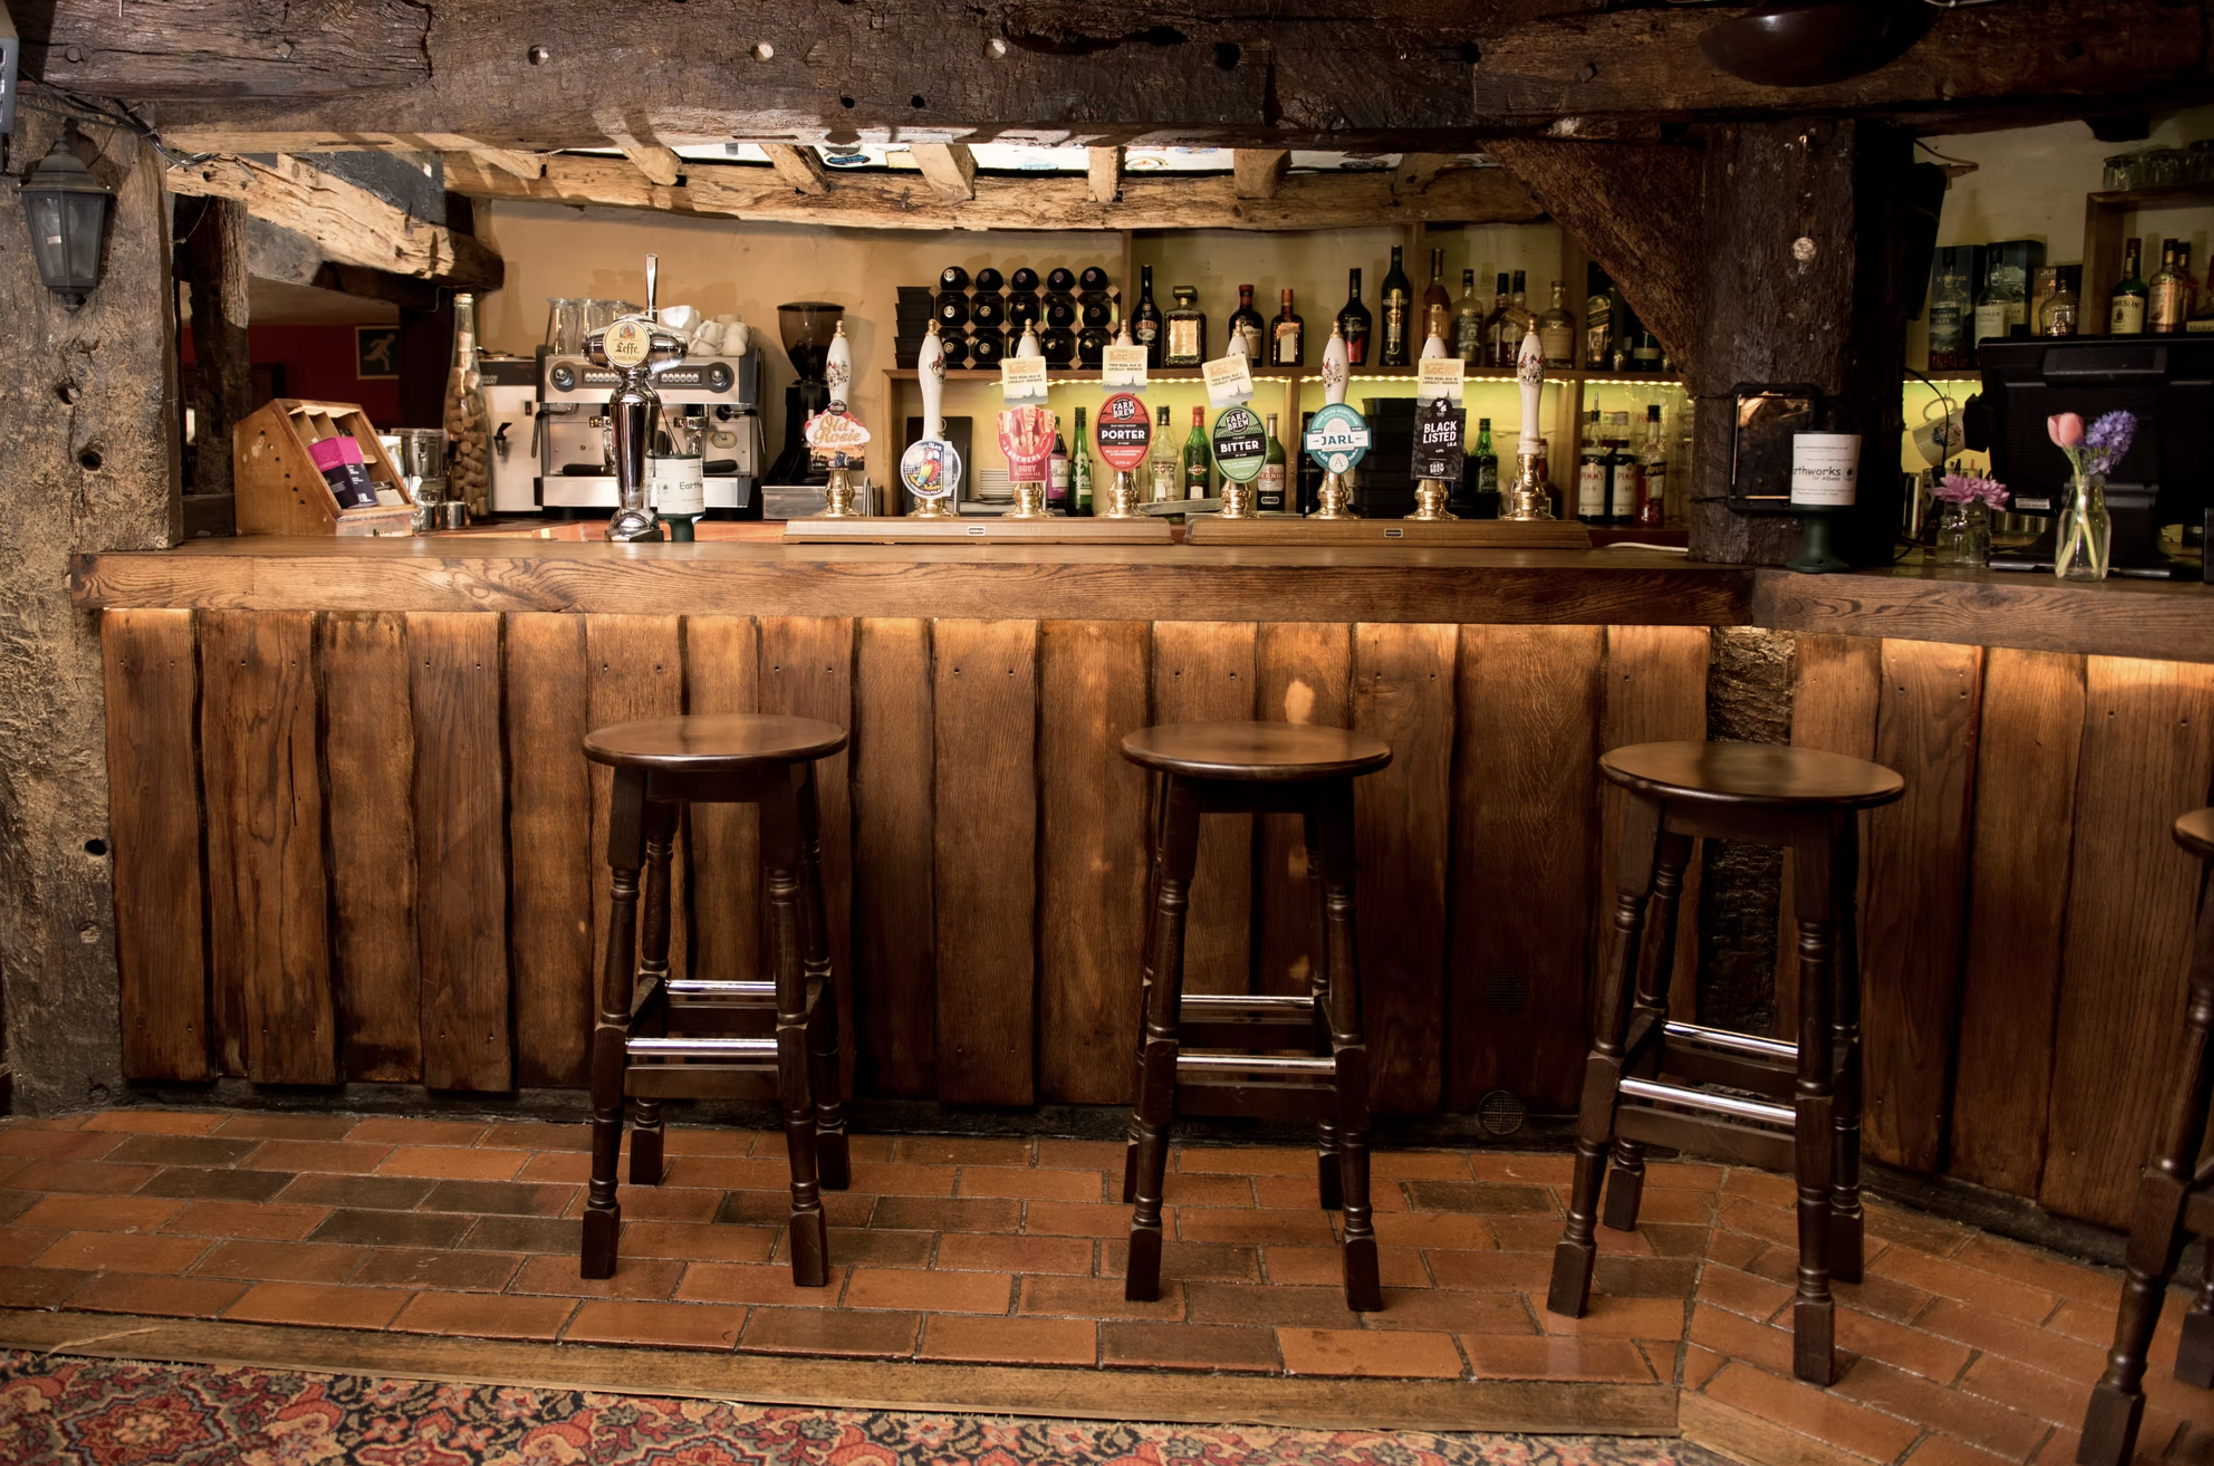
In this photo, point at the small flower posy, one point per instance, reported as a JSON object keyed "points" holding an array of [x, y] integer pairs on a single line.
{"points": [[1963, 488], [2097, 449]]}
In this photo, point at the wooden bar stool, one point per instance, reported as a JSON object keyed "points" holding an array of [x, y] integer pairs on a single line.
{"points": [[659, 1038], [1806, 1119], [1253, 768], [2175, 1199]]}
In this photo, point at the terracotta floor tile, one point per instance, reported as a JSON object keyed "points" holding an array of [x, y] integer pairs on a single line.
{"points": [[561, 1167], [1740, 1292], [816, 1331], [2059, 1449], [1979, 1422], [2082, 1321], [1286, 1193], [2031, 1391], [1645, 1277], [263, 1221], [1487, 1271], [364, 1228], [1034, 1181], [99, 1213], [1884, 1297], [160, 1297], [939, 1292], [437, 1269], [1554, 1357], [1699, 1365], [1924, 1233], [1269, 1305], [57, 1145], [1427, 1165], [1680, 1207], [1769, 1223], [452, 1163], [762, 1208], [506, 1198], [382, 1193], [1973, 1286], [869, 1247], [22, 1245], [970, 1150], [157, 1122], [179, 1150], [1823, 1414], [1369, 1352], [731, 1173], [478, 1317], [1219, 1262], [194, 1183], [1258, 1226], [756, 1282], [1137, 1345], [980, 1339], [1896, 1344], [407, 1131], [1246, 1160], [1542, 1234], [861, 1148], [1767, 1187], [890, 1179], [319, 1305], [278, 1126], [1641, 1318], [635, 1277], [1095, 1298], [1452, 1311], [97, 1178], [549, 1235], [15, 1203], [1943, 1450], [949, 1213], [995, 1252], [38, 1287], [710, 1140], [1082, 1155], [1738, 1250], [698, 1241], [541, 1135], [2020, 1264], [1486, 1198], [281, 1262], [1547, 1169], [662, 1325], [652, 1203], [123, 1252], [1077, 1219], [339, 1157], [1738, 1337], [1683, 1176]]}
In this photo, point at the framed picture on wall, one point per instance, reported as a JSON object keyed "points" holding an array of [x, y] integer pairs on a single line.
{"points": [[376, 353]]}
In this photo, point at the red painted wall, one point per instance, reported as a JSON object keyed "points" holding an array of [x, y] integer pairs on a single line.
{"points": [[318, 363]]}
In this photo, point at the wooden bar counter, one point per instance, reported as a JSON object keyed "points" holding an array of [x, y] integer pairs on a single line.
{"points": [[354, 833]]}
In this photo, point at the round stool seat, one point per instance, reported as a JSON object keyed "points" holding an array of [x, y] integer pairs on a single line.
{"points": [[1256, 752], [718, 743], [2195, 833], [1751, 773]]}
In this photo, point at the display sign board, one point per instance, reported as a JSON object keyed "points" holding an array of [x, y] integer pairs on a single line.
{"points": [[1229, 380], [1440, 377], [1337, 438], [1440, 430], [1241, 444], [931, 468], [1022, 379], [1125, 432], [1123, 366], [1026, 437]]}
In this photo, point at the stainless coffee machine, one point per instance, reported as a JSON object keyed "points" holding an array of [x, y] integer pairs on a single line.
{"points": [[576, 466]]}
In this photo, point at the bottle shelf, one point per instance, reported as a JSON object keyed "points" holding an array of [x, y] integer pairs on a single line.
{"points": [[1078, 376]]}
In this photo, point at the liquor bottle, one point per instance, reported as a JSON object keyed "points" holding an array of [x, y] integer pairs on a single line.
{"points": [[1495, 327], [2170, 301], [1599, 322], [989, 279], [1520, 300], [1268, 493], [2125, 308], [1187, 330], [1057, 474], [2004, 303], [1199, 459], [1557, 333], [1950, 350], [953, 277], [1624, 471], [2063, 309], [1437, 304], [1145, 321], [1652, 508], [1166, 465], [1591, 473], [1094, 279], [1396, 300], [1080, 471], [1287, 344], [1060, 280], [1247, 329], [1468, 323], [1307, 473], [1482, 472], [1353, 321]]}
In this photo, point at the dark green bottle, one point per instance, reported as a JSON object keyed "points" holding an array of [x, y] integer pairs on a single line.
{"points": [[1199, 459]]}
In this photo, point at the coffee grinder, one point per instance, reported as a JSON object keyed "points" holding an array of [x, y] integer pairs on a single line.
{"points": [[807, 327]]}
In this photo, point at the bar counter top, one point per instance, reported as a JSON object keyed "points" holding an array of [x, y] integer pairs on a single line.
{"points": [[1394, 584]]}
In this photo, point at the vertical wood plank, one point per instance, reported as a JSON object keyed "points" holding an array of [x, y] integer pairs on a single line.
{"points": [[2032, 731], [550, 844], [1403, 693], [635, 670], [1833, 708], [894, 950], [461, 849], [369, 766], [1203, 672], [1916, 894], [1655, 692], [151, 677], [2148, 756], [268, 902], [1092, 855], [985, 858], [1305, 674], [722, 674], [807, 671], [1524, 798]]}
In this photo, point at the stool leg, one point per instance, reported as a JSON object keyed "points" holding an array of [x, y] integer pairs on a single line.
{"points": [[1578, 1248], [2195, 1350], [1814, 1312], [1348, 1045], [823, 1016], [1848, 1225], [1156, 809], [1626, 1171], [1157, 1071], [2156, 1236], [603, 1218], [653, 976], [780, 860], [1329, 1171]]}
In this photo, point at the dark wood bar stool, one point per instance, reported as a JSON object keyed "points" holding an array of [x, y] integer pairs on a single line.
{"points": [[660, 1038], [1806, 1119], [1253, 768], [2175, 1199]]}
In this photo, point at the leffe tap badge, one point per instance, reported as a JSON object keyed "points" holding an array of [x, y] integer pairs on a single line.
{"points": [[626, 342]]}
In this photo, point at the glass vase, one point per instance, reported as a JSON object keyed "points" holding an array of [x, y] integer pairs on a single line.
{"points": [[2085, 533], [1964, 535]]}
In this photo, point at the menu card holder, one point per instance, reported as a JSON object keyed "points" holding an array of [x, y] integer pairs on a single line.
{"points": [[281, 490]]}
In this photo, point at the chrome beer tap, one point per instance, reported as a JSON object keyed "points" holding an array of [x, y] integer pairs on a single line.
{"points": [[634, 346]]}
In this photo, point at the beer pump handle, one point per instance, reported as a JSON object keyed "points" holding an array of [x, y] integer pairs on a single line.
{"points": [[653, 279], [930, 375]]}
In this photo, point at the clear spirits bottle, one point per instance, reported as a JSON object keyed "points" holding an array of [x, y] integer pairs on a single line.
{"points": [[1268, 494], [1468, 323], [1557, 332], [1652, 509], [1187, 330], [1165, 463]]}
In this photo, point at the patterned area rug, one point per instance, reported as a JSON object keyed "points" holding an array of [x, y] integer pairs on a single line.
{"points": [[97, 1412]]}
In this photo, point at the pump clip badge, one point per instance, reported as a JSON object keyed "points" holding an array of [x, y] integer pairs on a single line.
{"points": [[931, 468], [837, 435], [1337, 438], [1125, 432]]}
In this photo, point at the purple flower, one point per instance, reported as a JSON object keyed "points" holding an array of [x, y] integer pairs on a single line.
{"points": [[1962, 488], [2107, 442]]}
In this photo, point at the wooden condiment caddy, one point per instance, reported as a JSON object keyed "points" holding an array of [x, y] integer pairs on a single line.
{"points": [[281, 491]]}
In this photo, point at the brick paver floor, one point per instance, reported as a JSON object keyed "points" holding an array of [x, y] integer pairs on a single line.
{"points": [[1962, 1349]]}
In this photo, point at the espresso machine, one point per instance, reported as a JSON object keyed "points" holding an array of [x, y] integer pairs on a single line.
{"points": [[807, 327], [716, 394]]}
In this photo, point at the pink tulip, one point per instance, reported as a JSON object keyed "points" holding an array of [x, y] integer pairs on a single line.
{"points": [[2066, 430]]}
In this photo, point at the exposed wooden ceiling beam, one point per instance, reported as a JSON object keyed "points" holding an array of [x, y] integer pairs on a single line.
{"points": [[1259, 172], [522, 165], [1104, 172], [801, 168], [1415, 170], [949, 168], [348, 223], [659, 164], [1029, 201]]}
